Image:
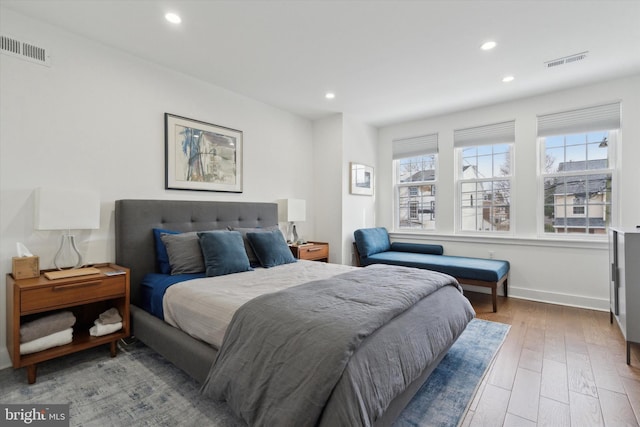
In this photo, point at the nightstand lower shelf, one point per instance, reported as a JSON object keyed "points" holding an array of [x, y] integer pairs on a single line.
{"points": [[82, 340]]}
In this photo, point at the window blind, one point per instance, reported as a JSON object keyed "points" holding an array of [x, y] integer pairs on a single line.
{"points": [[415, 146], [497, 133], [601, 117]]}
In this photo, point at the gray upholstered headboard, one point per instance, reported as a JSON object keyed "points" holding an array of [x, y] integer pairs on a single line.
{"points": [[135, 220]]}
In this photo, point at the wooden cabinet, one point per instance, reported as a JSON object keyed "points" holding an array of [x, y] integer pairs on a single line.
{"points": [[85, 296], [624, 255], [313, 251]]}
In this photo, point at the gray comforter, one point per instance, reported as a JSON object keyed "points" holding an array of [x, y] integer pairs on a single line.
{"points": [[326, 359]]}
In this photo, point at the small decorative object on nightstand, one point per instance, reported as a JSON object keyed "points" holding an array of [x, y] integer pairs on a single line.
{"points": [[86, 297], [312, 251]]}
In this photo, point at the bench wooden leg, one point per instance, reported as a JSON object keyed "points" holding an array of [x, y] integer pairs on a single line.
{"points": [[494, 297]]}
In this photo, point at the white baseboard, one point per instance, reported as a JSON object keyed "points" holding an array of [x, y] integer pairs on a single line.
{"points": [[5, 360], [579, 301]]}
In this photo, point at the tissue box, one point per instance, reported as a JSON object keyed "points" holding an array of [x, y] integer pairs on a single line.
{"points": [[25, 267]]}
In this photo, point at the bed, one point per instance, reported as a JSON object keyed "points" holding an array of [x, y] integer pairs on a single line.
{"points": [[135, 220]]}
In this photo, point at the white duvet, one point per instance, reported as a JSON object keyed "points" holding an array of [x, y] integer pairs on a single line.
{"points": [[203, 308]]}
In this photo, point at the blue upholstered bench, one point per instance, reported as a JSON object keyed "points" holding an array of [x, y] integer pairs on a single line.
{"points": [[374, 247]]}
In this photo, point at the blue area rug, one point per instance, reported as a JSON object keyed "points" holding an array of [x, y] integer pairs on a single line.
{"points": [[140, 388], [443, 400]]}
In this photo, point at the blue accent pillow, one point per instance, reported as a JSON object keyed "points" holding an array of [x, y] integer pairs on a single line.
{"points": [[223, 252], [271, 248], [253, 259], [162, 257], [417, 248], [371, 241]]}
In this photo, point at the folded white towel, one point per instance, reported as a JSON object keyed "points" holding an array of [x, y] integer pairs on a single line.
{"points": [[99, 329], [53, 340]]}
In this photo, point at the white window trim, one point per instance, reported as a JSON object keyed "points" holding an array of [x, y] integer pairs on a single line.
{"points": [[613, 140], [458, 187]]}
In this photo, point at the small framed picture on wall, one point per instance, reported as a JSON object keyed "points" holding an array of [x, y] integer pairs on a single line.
{"points": [[361, 179]]}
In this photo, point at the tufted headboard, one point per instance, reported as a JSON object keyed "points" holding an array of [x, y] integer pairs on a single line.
{"points": [[135, 220]]}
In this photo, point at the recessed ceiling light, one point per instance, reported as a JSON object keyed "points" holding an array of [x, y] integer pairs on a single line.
{"points": [[488, 45], [507, 79], [173, 18], [330, 95]]}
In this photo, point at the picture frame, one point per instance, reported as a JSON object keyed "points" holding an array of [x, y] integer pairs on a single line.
{"points": [[361, 179], [201, 156]]}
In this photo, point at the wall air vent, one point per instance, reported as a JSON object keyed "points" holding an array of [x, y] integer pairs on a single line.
{"points": [[23, 50], [566, 60]]}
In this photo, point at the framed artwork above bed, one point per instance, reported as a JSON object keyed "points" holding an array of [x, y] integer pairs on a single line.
{"points": [[202, 156]]}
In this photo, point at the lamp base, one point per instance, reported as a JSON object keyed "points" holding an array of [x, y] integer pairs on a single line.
{"points": [[295, 234], [68, 255]]}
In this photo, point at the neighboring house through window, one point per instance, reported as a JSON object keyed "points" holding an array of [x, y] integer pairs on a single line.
{"points": [[484, 177], [415, 165], [577, 169]]}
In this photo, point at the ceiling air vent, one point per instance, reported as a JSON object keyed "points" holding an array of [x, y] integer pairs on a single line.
{"points": [[566, 60], [23, 50]]}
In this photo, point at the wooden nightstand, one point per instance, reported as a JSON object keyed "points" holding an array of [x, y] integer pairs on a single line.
{"points": [[85, 296], [313, 251]]}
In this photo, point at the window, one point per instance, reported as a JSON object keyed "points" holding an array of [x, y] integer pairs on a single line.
{"points": [[576, 169], [577, 183], [415, 165], [485, 172]]}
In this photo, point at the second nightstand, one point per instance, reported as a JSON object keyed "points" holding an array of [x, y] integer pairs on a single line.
{"points": [[313, 251]]}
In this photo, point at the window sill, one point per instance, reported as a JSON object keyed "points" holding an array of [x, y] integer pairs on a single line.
{"points": [[600, 244]]}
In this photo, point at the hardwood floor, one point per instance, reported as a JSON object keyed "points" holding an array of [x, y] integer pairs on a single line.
{"points": [[559, 366]]}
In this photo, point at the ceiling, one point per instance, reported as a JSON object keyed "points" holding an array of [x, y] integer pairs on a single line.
{"points": [[386, 61]]}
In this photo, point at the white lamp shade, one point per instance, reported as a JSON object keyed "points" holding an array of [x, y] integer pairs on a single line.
{"points": [[291, 210], [58, 209]]}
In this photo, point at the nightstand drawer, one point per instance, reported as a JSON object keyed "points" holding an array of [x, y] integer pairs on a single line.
{"points": [[71, 293], [312, 252]]}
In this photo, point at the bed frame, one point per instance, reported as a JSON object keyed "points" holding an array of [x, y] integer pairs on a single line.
{"points": [[134, 221]]}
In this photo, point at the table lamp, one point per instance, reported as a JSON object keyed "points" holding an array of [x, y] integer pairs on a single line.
{"points": [[60, 209], [290, 211]]}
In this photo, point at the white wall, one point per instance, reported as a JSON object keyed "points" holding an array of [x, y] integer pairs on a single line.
{"points": [[94, 120], [326, 176], [360, 146], [572, 273], [339, 140]]}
